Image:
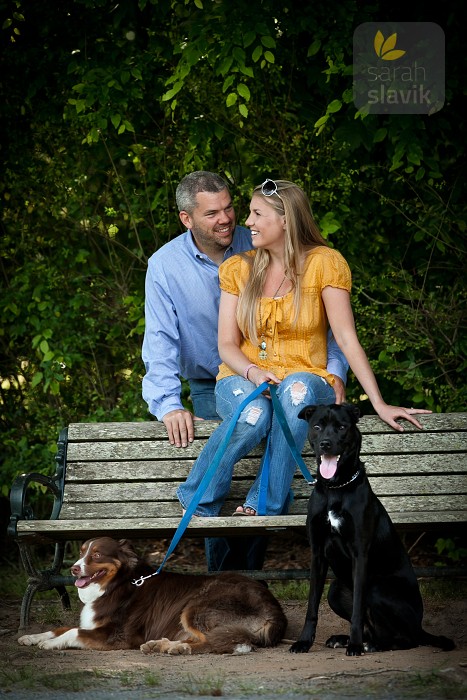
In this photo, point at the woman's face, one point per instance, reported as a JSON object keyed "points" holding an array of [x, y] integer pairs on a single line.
{"points": [[266, 224]]}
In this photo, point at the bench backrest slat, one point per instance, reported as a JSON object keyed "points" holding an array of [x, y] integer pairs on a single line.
{"points": [[158, 491], [153, 430], [142, 470], [394, 443]]}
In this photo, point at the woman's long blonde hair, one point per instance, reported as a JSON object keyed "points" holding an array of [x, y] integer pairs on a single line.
{"points": [[301, 233]]}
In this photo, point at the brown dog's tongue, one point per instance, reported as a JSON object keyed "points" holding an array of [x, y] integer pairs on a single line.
{"points": [[82, 582], [328, 466]]}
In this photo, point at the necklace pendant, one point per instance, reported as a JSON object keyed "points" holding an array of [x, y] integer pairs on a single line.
{"points": [[263, 355]]}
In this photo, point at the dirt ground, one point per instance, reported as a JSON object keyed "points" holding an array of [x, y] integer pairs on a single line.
{"points": [[424, 672]]}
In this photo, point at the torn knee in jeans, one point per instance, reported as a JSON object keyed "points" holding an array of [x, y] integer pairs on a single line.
{"points": [[298, 391], [253, 413], [250, 415]]}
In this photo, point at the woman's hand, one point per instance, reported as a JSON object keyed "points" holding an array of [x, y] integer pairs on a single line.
{"points": [[390, 413], [258, 376]]}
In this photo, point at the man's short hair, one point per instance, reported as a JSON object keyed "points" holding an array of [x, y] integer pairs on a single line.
{"points": [[199, 181]]}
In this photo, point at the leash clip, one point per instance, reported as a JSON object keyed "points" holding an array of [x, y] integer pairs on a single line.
{"points": [[139, 581]]}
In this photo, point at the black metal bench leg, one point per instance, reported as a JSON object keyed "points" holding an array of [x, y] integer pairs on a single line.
{"points": [[44, 580], [29, 594], [64, 597]]}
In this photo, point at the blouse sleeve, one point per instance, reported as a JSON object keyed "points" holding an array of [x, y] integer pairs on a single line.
{"points": [[335, 271], [229, 275]]}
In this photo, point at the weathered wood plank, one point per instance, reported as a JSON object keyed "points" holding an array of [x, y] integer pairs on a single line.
{"points": [[153, 492], [164, 527], [395, 443], [153, 430], [147, 470], [171, 509]]}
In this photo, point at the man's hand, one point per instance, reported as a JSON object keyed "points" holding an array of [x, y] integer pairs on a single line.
{"points": [[339, 389], [179, 424]]}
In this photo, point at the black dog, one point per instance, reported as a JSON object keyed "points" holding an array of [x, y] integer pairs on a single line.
{"points": [[375, 587]]}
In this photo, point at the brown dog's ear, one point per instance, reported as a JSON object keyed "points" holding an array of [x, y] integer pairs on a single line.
{"points": [[306, 412], [129, 554], [353, 410]]}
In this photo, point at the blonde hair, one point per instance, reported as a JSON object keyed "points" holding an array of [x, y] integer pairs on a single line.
{"points": [[301, 233]]}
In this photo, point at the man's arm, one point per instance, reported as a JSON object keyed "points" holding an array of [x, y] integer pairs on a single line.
{"points": [[161, 350], [338, 366]]}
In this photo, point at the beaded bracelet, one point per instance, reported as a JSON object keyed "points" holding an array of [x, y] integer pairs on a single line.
{"points": [[247, 369]]}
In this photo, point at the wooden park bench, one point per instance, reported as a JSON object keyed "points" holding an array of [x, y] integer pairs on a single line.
{"points": [[119, 479]]}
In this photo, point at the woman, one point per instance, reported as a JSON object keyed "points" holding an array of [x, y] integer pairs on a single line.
{"points": [[276, 303]]}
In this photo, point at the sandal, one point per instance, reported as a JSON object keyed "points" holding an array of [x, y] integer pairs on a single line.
{"points": [[241, 511]]}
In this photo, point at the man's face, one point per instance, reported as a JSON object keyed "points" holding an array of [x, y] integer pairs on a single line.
{"points": [[212, 222]]}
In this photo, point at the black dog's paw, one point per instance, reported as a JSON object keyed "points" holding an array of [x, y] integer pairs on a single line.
{"points": [[337, 641], [354, 649], [300, 647]]}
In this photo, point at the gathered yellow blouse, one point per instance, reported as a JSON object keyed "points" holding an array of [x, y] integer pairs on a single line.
{"points": [[291, 347]]}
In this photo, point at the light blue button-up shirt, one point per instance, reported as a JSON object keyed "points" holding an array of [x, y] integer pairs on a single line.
{"points": [[181, 309]]}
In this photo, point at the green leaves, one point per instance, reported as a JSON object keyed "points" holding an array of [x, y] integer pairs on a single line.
{"points": [[173, 91], [332, 108]]}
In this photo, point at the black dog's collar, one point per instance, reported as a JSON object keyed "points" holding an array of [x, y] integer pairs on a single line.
{"points": [[340, 486]]}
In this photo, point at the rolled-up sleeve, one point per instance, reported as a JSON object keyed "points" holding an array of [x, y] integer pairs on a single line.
{"points": [[161, 383]]}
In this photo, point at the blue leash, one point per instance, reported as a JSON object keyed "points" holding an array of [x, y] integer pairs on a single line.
{"points": [[204, 481], [216, 461], [282, 420]]}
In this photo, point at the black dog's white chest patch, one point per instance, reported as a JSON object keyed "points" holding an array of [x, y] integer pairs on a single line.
{"points": [[335, 520]]}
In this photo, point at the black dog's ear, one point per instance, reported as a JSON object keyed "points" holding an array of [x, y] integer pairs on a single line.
{"points": [[306, 412], [353, 410]]}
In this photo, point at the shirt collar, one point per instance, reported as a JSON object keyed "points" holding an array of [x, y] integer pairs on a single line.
{"points": [[195, 251]]}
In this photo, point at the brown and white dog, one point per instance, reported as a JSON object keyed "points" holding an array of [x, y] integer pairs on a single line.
{"points": [[169, 613]]}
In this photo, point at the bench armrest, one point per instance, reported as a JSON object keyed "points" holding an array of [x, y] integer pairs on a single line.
{"points": [[21, 508]]}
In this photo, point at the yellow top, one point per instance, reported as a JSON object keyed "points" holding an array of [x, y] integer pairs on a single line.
{"points": [[299, 347]]}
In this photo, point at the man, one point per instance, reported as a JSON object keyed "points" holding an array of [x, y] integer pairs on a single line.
{"points": [[180, 340]]}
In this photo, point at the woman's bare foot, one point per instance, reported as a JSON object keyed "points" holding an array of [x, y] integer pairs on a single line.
{"points": [[244, 511]]}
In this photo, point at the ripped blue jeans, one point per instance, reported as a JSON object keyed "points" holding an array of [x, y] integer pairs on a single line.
{"points": [[258, 419]]}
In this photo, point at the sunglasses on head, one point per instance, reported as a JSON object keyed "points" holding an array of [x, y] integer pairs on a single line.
{"points": [[269, 187]]}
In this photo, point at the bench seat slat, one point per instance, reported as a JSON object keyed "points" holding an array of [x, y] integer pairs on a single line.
{"points": [[164, 527]]}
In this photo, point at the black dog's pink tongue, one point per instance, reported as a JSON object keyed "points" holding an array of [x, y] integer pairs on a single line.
{"points": [[328, 466]]}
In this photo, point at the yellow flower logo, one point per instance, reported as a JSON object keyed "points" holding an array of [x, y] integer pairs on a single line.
{"points": [[385, 47]]}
